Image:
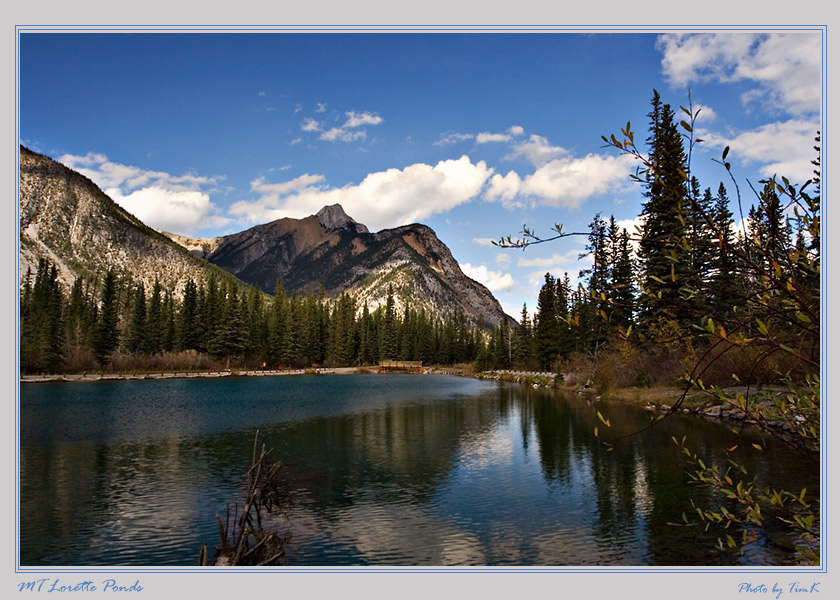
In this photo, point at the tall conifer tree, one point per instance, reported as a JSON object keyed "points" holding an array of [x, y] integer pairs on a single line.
{"points": [[662, 256]]}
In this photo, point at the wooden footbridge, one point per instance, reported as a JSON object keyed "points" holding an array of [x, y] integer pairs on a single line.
{"points": [[401, 365]]}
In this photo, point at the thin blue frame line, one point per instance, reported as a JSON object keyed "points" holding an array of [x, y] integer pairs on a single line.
{"points": [[823, 314], [386, 29], [17, 294]]}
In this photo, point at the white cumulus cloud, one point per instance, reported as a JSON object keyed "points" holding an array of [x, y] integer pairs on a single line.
{"points": [[537, 150], [783, 148], [785, 67], [564, 182], [175, 203], [383, 199], [495, 281], [173, 211]]}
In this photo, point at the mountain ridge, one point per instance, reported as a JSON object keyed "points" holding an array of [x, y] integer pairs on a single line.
{"points": [[66, 218], [332, 250]]}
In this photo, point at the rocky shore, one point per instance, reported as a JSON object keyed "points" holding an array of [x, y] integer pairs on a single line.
{"points": [[655, 399]]}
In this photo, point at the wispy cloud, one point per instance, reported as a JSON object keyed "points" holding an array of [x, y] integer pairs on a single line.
{"points": [[310, 124], [484, 241], [351, 129], [453, 138], [495, 281], [555, 261], [485, 137]]}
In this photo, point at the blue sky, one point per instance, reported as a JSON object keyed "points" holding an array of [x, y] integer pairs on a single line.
{"points": [[473, 134]]}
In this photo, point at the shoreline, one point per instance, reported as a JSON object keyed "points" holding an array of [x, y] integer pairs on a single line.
{"points": [[87, 377], [656, 399]]}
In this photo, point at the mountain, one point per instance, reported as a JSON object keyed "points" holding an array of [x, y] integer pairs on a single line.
{"points": [[332, 250], [67, 219]]}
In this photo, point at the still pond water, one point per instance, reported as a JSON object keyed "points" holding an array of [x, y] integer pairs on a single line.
{"points": [[385, 469]]}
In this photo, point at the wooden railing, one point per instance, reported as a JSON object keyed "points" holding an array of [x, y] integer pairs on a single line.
{"points": [[401, 364]]}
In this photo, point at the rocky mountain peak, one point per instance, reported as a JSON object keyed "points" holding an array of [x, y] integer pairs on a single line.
{"points": [[65, 217], [334, 218]]}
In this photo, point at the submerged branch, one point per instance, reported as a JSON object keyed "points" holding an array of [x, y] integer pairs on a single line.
{"points": [[248, 544]]}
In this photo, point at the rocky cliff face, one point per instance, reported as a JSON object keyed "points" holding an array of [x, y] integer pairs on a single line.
{"points": [[65, 218], [332, 250]]}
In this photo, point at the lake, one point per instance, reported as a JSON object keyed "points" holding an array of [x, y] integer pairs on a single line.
{"points": [[384, 469]]}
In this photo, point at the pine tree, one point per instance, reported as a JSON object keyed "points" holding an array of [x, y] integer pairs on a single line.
{"points": [[504, 344], [211, 311], [167, 333], [598, 279], [388, 347], [776, 241], [294, 333], [154, 321], [700, 239], [78, 320], [257, 325], [231, 334], [106, 336], [725, 280], [547, 328], [567, 334], [277, 324], [622, 294], [135, 339], [523, 340], [367, 338], [42, 328], [664, 266], [188, 322], [343, 337]]}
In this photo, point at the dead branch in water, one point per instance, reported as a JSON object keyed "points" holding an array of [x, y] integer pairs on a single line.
{"points": [[247, 543]]}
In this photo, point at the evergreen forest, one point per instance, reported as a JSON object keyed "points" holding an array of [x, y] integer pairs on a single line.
{"points": [[119, 325], [688, 295]]}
